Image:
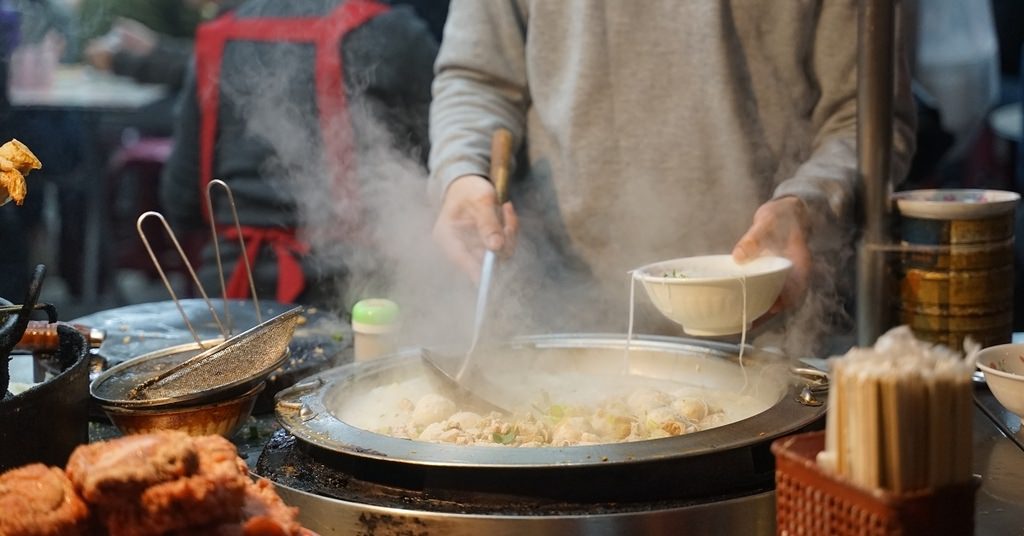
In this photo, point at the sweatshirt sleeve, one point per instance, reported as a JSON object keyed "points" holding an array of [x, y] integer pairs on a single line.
{"points": [[480, 85], [828, 180], [165, 65]]}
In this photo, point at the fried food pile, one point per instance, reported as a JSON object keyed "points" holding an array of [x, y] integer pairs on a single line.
{"points": [[165, 483], [16, 161]]}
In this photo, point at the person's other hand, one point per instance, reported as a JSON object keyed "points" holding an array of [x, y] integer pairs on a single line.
{"points": [[99, 54], [135, 37], [780, 228], [469, 224]]}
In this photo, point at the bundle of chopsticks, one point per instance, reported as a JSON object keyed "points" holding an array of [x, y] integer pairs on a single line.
{"points": [[900, 415]]}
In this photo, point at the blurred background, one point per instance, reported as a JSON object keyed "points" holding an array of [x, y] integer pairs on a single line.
{"points": [[91, 86]]}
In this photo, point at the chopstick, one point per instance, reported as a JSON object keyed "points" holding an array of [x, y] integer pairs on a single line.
{"points": [[900, 416]]}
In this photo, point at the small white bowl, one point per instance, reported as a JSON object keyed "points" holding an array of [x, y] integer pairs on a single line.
{"points": [[1004, 373], [705, 295]]}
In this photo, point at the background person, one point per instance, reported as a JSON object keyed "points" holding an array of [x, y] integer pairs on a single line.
{"points": [[292, 129]]}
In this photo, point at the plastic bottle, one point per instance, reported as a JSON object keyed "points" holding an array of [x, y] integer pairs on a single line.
{"points": [[374, 322]]}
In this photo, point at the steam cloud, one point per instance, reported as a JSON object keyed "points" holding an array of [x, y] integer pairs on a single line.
{"points": [[401, 262]]}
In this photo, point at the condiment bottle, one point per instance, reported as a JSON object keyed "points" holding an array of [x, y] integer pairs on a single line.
{"points": [[374, 322]]}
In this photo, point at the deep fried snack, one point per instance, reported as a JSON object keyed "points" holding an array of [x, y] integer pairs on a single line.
{"points": [[263, 514], [213, 494], [16, 161], [36, 500], [263, 509], [119, 470]]}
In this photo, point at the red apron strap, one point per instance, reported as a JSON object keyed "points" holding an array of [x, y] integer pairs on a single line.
{"points": [[287, 248], [326, 33]]}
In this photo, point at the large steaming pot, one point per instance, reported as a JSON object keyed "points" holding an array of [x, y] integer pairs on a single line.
{"points": [[429, 483]]}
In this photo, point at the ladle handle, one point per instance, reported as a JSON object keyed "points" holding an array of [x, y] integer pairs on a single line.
{"points": [[501, 154]]}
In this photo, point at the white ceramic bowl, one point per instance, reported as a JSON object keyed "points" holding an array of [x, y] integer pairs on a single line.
{"points": [[1004, 373], [705, 294]]}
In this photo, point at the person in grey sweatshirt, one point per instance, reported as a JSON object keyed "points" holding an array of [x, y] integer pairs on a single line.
{"points": [[647, 131]]}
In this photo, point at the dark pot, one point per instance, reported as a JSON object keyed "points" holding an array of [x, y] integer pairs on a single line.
{"points": [[47, 422]]}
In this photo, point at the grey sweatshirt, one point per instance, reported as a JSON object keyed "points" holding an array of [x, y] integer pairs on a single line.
{"points": [[653, 129]]}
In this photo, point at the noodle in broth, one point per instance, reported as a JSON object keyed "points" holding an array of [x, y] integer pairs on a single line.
{"points": [[632, 312]]}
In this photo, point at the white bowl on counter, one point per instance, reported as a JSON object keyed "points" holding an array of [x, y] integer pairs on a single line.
{"points": [[705, 294], [1003, 366]]}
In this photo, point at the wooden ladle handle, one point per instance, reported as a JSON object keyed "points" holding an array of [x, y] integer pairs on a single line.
{"points": [[501, 154]]}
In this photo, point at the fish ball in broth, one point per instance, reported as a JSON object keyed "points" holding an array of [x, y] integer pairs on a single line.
{"points": [[431, 408]]}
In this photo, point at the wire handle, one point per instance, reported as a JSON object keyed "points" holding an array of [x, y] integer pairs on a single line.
{"points": [[191, 272], [241, 244]]}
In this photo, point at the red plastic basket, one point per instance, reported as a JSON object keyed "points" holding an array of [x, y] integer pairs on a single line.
{"points": [[810, 501]]}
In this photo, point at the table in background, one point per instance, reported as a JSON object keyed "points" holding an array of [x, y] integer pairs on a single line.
{"points": [[91, 94]]}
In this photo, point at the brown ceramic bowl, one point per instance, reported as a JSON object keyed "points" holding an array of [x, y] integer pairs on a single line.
{"points": [[223, 417]]}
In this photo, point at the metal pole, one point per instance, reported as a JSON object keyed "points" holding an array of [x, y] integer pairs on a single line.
{"points": [[875, 88]]}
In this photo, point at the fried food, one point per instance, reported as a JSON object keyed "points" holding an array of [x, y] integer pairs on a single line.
{"points": [[163, 482], [122, 468], [264, 509], [37, 500], [263, 514], [16, 161]]}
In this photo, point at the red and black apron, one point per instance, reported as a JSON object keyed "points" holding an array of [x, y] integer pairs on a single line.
{"points": [[326, 34]]}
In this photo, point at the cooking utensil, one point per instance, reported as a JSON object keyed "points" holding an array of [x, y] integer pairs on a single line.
{"points": [[232, 361], [458, 376], [321, 409], [241, 245], [501, 152], [223, 417], [46, 422], [13, 325], [188, 266]]}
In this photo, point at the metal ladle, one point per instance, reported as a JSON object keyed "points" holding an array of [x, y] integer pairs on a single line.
{"points": [[459, 379]]}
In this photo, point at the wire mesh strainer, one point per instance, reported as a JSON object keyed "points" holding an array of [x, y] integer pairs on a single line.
{"points": [[239, 361]]}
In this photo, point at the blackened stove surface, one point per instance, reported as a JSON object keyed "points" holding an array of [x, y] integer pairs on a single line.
{"points": [[293, 463]]}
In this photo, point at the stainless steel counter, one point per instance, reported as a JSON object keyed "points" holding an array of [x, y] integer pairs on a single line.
{"points": [[999, 459]]}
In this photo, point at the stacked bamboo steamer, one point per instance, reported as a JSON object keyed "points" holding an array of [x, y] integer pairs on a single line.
{"points": [[956, 264]]}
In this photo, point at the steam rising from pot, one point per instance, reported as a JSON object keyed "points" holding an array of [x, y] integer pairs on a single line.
{"points": [[542, 288]]}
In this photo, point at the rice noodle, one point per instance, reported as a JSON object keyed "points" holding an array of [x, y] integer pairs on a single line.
{"points": [[633, 276], [743, 331], [629, 329]]}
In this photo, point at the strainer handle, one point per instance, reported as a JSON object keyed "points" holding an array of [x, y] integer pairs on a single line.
{"points": [[241, 244], [163, 276]]}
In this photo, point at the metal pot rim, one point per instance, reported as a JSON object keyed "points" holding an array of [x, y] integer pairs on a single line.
{"points": [[301, 410], [173, 410]]}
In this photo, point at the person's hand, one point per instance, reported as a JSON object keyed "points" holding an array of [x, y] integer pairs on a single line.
{"points": [[99, 54], [469, 224], [780, 228], [135, 37]]}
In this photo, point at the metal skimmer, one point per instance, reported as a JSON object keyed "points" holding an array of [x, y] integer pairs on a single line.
{"points": [[239, 360]]}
